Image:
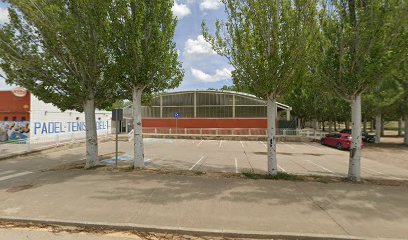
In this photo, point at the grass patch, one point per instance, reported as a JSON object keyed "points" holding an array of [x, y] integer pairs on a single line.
{"points": [[22, 141], [279, 176], [320, 179], [199, 173]]}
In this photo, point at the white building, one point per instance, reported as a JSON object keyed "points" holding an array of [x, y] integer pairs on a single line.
{"points": [[48, 123]]}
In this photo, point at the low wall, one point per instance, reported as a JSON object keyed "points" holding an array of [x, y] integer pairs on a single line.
{"points": [[224, 137], [205, 123]]}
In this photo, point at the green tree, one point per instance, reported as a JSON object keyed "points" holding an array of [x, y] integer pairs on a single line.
{"points": [[235, 88], [146, 58], [118, 104], [401, 74], [400, 71], [380, 98], [266, 43], [58, 51], [361, 35]]}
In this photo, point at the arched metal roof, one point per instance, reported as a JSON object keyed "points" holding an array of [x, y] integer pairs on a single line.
{"points": [[247, 95]]}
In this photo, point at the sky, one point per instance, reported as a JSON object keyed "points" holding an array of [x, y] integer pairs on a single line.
{"points": [[203, 67]]}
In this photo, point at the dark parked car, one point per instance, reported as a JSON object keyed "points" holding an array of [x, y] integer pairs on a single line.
{"points": [[338, 140], [365, 136], [348, 131]]}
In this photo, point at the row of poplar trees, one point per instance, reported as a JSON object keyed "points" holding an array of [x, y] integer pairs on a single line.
{"points": [[342, 47], [85, 54]]}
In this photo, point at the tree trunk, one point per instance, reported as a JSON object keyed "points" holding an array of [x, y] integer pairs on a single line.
{"points": [[406, 130], [365, 125], [323, 126], [271, 113], [372, 125], [355, 149], [315, 125], [378, 128], [347, 124], [335, 125], [92, 158], [138, 160], [382, 126], [330, 126], [400, 127]]}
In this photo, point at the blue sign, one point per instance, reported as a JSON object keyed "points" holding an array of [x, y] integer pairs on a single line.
{"points": [[177, 115]]}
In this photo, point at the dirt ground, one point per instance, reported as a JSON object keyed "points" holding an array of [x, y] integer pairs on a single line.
{"points": [[109, 232]]}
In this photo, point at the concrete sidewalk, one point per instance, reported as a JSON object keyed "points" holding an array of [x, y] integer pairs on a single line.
{"points": [[145, 200]]}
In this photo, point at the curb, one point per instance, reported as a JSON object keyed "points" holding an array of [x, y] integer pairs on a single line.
{"points": [[55, 147], [188, 231]]}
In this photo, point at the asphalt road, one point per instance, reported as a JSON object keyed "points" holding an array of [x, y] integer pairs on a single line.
{"points": [[293, 157], [206, 202], [224, 156]]}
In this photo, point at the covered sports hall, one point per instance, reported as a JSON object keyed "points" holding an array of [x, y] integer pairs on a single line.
{"points": [[206, 112]]}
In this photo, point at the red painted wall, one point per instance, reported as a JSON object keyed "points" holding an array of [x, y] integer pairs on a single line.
{"points": [[12, 106], [204, 123]]}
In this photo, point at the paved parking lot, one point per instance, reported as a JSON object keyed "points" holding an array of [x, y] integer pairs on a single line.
{"points": [[239, 156]]}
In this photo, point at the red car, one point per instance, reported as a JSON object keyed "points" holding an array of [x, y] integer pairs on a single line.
{"points": [[338, 140]]}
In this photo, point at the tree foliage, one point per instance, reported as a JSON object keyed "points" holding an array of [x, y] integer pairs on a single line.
{"points": [[144, 50], [361, 36], [265, 41], [58, 51]]}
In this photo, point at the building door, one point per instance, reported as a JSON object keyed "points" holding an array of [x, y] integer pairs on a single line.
{"points": [[123, 126]]}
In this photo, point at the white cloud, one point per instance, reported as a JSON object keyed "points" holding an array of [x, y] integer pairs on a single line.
{"points": [[4, 15], [180, 10], [220, 74], [198, 47], [210, 5]]}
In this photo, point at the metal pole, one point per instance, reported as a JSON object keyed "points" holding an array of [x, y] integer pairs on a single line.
{"points": [[117, 133]]}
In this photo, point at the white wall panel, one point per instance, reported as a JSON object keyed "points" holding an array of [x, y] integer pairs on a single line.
{"points": [[48, 122]]}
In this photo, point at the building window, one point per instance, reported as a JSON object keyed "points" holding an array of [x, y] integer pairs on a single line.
{"points": [[5, 118], [23, 119], [14, 118]]}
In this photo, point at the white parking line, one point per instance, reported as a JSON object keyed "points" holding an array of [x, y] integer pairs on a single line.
{"points": [[242, 144], [14, 175], [6, 172], [311, 145], [263, 144], [289, 145], [197, 163], [328, 170], [236, 165], [219, 146], [200, 143], [281, 168], [383, 174], [367, 169]]}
